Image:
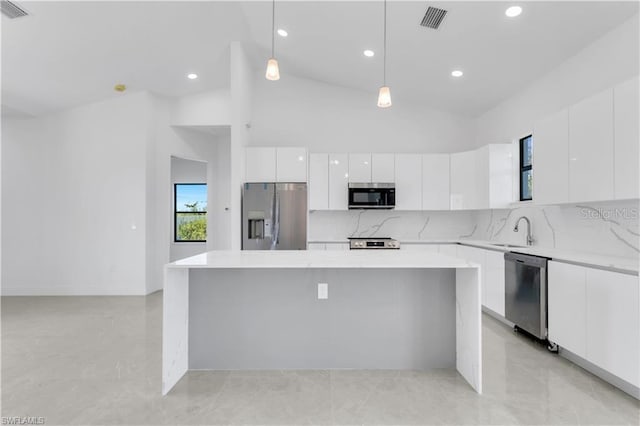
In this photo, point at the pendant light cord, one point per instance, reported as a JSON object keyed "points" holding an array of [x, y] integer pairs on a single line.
{"points": [[384, 58], [273, 27]]}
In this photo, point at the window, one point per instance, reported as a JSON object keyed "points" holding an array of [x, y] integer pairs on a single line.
{"points": [[190, 212], [526, 168]]}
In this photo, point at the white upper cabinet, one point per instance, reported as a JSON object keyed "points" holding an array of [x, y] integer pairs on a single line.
{"points": [[612, 323], [338, 181], [291, 164], [408, 181], [359, 167], [626, 139], [383, 168], [435, 182], [551, 159], [463, 180], [260, 164], [269, 164], [500, 179], [318, 181], [591, 149]]}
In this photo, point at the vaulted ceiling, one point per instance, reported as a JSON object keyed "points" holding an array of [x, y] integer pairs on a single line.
{"points": [[70, 53]]}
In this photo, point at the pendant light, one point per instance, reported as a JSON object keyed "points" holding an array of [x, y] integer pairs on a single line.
{"points": [[384, 95], [273, 72]]}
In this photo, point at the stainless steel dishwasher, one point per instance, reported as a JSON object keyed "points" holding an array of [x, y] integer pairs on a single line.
{"points": [[526, 293]]}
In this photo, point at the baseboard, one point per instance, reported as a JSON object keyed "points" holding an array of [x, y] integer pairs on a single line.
{"points": [[61, 291], [616, 381], [497, 316]]}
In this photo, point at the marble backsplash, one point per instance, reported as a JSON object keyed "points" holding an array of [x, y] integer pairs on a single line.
{"points": [[603, 228]]}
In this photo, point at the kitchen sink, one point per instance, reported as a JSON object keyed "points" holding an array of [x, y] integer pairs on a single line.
{"points": [[507, 245]]}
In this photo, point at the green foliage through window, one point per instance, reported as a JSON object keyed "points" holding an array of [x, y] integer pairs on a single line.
{"points": [[190, 212]]}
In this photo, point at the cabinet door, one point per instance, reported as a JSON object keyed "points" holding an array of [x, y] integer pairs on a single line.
{"points": [[359, 167], [494, 281], [463, 180], [481, 178], [291, 164], [431, 248], [338, 182], [408, 182], [318, 181], [551, 159], [337, 246], [260, 164], [500, 175], [435, 182], [316, 246], [383, 168], [612, 323], [567, 306], [626, 144], [448, 249], [591, 149]]}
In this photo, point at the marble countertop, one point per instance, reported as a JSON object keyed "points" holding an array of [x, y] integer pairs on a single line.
{"points": [[320, 259], [621, 264]]}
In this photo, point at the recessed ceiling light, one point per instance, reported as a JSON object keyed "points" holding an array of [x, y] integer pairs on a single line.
{"points": [[457, 73], [369, 53], [282, 33], [513, 11], [192, 76]]}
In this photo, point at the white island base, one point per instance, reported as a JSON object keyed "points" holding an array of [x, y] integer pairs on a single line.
{"points": [[237, 310]]}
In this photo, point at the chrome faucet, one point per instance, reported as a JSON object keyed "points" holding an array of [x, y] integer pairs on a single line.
{"points": [[529, 237]]}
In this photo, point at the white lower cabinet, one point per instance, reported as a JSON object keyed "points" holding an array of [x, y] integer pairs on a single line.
{"points": [[337, 246], [316, 246], [612, 323], [431, 248], [449, 249], [493, 282], [567, 306], [595, 314]]}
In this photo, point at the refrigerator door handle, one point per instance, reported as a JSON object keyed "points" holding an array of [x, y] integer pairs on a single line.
{"points": [[276, 237]]}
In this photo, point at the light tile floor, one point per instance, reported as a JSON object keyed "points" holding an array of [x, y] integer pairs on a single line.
{"points": [[96, 360]]}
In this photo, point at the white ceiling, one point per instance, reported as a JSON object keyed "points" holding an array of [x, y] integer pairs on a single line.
{"points": [[70, 53]]}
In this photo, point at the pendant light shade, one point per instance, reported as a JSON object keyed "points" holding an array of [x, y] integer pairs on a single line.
{"points": [[273, 71], [384, 97]]}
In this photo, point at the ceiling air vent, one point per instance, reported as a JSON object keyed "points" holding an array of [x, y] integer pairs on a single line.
{"points": [[11, 10], [433, 18]]}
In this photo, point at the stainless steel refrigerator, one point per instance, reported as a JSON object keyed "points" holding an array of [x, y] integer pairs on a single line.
{"points": [[274, 216]]}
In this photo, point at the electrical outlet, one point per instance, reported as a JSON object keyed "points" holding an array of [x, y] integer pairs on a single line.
{"points": [[323, 291]]}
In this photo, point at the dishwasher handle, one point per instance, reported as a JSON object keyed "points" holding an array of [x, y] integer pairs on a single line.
{"points": [[527, 259]]}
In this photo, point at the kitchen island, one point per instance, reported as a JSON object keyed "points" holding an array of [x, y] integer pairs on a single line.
{"points": [[385, 309]]}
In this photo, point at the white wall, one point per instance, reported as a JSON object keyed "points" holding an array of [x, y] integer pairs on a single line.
{"points": [[186, 171], [327, 118], [241, 99], [190, 142], [74, 194], [612, 59], [212, 108]]}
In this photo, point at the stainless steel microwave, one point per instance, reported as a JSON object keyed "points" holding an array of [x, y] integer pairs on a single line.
{"points": [[372, 195]]}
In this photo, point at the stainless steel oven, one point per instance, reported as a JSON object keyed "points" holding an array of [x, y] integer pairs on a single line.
{"points": [[372, 195]]}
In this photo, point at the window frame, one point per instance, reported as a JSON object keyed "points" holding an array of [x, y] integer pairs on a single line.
{"points": [[176, 211], [522, 168]]}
